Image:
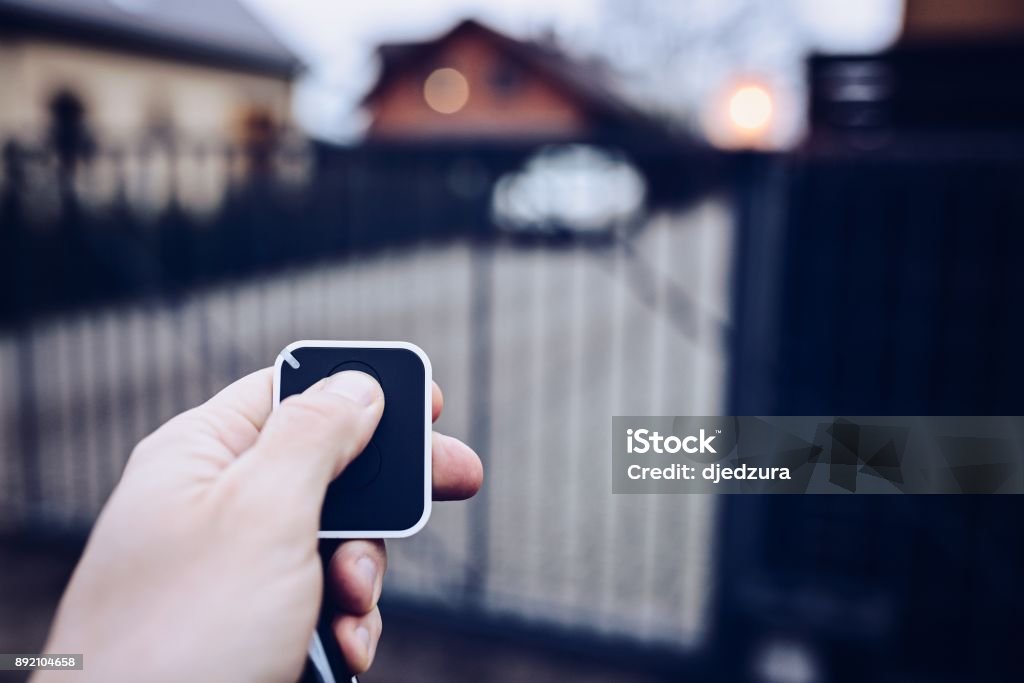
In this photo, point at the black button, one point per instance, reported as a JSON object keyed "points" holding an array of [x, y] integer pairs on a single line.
{"points": [[361, 472], [356, 365]]}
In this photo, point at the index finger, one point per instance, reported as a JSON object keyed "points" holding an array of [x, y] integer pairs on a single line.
{"points": [[436, 402]]}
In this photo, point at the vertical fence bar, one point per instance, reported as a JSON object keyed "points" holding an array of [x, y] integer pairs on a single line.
{"points": [[28, 423], [481, 282]]}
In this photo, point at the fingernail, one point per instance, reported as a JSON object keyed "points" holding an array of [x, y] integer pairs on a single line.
{"points": [[368, 568], [363, 635], [355, 386]]}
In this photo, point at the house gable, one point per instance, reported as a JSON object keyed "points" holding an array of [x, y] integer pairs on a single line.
{"points": [[509, 94]]}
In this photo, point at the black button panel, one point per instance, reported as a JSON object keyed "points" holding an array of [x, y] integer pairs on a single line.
{"points": [[384, 489]]}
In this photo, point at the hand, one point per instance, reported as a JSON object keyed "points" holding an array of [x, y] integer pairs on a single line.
{"points": [[203, 564]]}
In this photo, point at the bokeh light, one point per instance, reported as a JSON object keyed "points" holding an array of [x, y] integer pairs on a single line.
{"points": [[446, 90], [751, 108], [749, 112]]}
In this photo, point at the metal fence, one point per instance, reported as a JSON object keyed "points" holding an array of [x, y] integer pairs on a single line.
{"points": [[537, 340], [884, 280], [827, 281]]}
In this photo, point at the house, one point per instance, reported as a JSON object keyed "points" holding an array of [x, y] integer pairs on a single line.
{"points": [[476, 83], [926, 20], [953, 72], [204, 70]]}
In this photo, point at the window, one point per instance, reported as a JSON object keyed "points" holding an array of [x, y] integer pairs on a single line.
{"points": [[506, 79]]}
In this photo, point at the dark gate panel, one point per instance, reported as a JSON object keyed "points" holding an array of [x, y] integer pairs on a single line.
{"points": [[878, 283]]}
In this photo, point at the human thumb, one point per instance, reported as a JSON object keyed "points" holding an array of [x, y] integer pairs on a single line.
{"points": [[311, 437]]}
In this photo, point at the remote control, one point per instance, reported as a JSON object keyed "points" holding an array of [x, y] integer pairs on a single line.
{"points": [[386, 491]]}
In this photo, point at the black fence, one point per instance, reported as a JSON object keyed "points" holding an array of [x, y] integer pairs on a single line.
{"points": [[79, 251], [68, 248], [883, 282], [134, 291], [867, 282]]}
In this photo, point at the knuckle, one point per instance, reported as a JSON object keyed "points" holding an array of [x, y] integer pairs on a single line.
{"points": [[141, 450], [354, 595]]}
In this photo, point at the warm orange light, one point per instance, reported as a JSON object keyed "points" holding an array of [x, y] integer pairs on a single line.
{"points": [[751, 108], [446, 90]]}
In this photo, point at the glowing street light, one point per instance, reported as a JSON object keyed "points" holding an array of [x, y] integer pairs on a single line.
{"points": [[751, 109], [742, 115]]}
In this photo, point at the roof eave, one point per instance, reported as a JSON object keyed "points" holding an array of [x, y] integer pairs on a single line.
{"points": [[141, 40]]}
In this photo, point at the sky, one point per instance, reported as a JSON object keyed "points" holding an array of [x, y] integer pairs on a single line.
{"points": [[673, 54]]}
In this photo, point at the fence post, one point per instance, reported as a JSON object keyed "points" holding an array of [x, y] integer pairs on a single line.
{"points": [[17, 298], [481, 323], [28, 427], [14, 244]]}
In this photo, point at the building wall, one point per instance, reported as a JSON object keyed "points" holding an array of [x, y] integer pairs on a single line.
{"points": [[930, 19], [533, 107], [126, 95]]}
